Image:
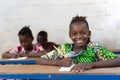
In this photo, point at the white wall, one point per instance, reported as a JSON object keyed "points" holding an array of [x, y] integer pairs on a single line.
{"points": [[54, 16]]}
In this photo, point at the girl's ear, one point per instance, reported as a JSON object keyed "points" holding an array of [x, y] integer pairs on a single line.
{"points": [[32, 38], [89, 33]]}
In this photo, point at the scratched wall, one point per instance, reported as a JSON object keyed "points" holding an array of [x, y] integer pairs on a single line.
{"points": [[54, 16]]}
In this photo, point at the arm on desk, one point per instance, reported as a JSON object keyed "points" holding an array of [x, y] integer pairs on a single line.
{"points": [[108, 63], [61, 62], [8, 55], [100, 64], [35, 55]]}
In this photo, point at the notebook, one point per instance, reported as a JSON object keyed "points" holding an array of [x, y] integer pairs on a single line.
{"points": [[66, 68]]}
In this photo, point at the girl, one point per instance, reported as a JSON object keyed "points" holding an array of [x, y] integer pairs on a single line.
{"points": [[85, 54], [42, 39], [26, 47]]}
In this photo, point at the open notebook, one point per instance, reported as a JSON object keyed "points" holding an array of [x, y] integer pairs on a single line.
{"points": [[19, 58]]}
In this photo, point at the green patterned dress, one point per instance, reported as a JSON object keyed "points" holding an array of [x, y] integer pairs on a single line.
{"points": [[94, 52]]}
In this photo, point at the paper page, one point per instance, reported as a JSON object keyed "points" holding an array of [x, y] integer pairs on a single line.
{"points": [[66, 68], [19, 58]]}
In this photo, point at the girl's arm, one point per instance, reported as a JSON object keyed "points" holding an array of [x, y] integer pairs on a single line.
{"points": [[43, 61], [61, 62], [15, 55], [8, 55], [31, 55], [108, 63], [100, 64]]}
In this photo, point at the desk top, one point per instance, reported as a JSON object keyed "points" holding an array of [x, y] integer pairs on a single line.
{"points": [[43, 69]]}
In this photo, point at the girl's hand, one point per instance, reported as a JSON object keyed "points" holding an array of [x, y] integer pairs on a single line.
{"points": [[81, 67], [14, 55], [65, 62]]}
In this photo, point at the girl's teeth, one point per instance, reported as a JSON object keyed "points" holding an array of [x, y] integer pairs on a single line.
{"points": [[79, 41]]}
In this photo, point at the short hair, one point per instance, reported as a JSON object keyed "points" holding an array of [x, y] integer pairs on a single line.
{"points": [[26, 31], [43, 34]]}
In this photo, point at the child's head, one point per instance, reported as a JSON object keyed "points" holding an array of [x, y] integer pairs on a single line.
{"points": [[79, 31], [42, 37], [25, 37]]}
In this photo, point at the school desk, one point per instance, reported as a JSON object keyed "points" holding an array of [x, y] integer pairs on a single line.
{"points": [[51, 72], [32, 71]]}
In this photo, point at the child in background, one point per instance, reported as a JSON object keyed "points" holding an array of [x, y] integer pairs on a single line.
{"points": [[26, 48], [83, 53], [42, 39]]}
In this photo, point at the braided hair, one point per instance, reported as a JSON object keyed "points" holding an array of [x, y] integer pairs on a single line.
{"points": [[26, 31], [79, 19]]}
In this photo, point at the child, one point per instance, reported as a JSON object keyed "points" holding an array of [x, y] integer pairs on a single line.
{"points": [[85, 54], [26, 47], [42, 39]]}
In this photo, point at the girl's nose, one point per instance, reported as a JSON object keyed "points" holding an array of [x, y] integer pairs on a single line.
{"points": [[23, 44], [78, 36]]}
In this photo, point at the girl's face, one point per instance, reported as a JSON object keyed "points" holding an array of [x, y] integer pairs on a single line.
{"points": [[25, 41], [79, 34]]}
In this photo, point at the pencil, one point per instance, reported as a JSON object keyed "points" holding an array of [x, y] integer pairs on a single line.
{"points": [[59, 51], [16, 54]]}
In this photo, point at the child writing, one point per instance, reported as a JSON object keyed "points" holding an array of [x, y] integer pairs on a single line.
{"points": [[42, 39], [83, 53], [26, 48]]}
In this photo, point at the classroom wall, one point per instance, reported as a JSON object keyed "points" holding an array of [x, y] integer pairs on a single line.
{"points": [[54, 16]]}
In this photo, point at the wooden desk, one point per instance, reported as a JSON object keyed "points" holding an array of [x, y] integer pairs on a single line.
{"points": [[51, 72]]}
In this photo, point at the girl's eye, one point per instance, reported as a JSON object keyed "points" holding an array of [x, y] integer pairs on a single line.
{"points": [[73, 34], [84, 33]]}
